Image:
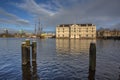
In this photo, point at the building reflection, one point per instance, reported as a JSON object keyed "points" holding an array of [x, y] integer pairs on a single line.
{"points": [[29, 72], [73, 45]]}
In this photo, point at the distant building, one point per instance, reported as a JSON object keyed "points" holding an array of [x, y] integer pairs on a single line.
{"points": [[6, 31], [106, 33], [21, 31], [76, 31]]}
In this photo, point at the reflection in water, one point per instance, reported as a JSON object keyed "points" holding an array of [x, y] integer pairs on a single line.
{"points": [[28, 72], [51, 65], [91, 75], [119, 77], [73, 45]]}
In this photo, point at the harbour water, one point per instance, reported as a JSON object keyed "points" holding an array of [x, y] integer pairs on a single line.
{"points": [[60, 59]]}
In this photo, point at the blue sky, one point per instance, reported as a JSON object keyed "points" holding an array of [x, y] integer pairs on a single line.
{"points": [[23, 14]]}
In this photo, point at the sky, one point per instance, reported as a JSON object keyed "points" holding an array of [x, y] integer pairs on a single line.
{"points": [[23, 14]]}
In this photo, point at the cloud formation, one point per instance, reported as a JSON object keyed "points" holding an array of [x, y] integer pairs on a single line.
{"points": [[9, 18], [34, 8], [102, 13]]}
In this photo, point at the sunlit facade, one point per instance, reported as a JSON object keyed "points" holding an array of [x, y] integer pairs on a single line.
{"points": [[79, 31]]}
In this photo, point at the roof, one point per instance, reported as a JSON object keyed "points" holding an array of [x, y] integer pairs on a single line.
{"points": [[68, 25]]}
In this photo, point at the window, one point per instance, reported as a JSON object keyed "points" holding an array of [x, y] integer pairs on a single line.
{"points": [[63, 30], [74, 36], [87, 35], [92, 35], [92, 29], [79, 30], [79, 35]]}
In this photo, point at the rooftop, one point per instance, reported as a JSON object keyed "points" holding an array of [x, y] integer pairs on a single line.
{"points": [[68, 25]]}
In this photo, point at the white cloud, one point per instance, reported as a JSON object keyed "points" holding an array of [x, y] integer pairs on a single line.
{"points": [[9, 18], [7, 15], [32, 7], [22, 21], [54, 12]]}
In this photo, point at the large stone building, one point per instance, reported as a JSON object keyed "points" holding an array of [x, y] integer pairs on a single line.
{"points": [[79, 31]]}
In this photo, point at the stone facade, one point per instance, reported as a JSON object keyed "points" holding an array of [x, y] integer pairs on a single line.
{"points": [[79, 31]]}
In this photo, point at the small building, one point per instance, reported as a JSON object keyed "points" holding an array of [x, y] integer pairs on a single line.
{"points": [[107, 33], [78, 31]]}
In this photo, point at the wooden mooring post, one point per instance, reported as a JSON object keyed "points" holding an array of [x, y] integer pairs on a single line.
{"points": [[92, 61], [25, 49], [28, 49], [92, 57], [24, 53], [29, 70], [34, 46]]}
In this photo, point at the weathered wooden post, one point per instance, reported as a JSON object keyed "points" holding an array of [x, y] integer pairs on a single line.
{"points": [[92, 57], [26, 72], [34, 70], [92, 61], [28, 49], [34, 52], [24, 53], [26, 62]]}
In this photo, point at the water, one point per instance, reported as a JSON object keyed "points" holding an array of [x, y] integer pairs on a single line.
{"points": [[60, 59]]}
